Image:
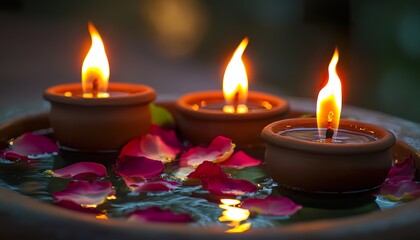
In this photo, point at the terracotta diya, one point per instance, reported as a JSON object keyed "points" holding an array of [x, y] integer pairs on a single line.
{"points": [[95, 115], [316, 155], [234, 113]]}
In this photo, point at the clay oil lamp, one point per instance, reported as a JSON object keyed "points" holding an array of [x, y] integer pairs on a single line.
{"points": [[97, 115], [327, 155], [234, 113]]}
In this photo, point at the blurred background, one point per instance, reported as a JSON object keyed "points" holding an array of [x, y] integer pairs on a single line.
{"points": [[178, 46]]}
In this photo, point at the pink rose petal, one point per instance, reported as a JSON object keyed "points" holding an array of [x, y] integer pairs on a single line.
{"points": [[227, 186], [167, 135], [82, 170], [219, 150], [29, 146], [150, 146], [85, 193], [240, 160], [155, 214], [207, 169], [142, 167], [153, 186], [271, 205], [400, 191], [402, 171]]}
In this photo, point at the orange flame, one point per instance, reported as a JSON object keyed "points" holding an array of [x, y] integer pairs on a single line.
{"points": [[95, 68], [328, 107], [235, 82]]}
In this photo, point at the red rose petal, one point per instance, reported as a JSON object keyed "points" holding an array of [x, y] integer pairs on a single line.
{"points": [[219, 150], [271, 205], [207, 169], [85, 193], [153, 186], [82, 170], [227, 186], [129, 166], [167, 135], [155, 214], [400, 191], [240, 160], [402, 171], [29, 146], [150, 146]]}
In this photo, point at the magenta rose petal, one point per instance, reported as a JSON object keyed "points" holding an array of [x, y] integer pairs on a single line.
{"points": [[207, 169], [400, 191], [150, 146], [168, 136], [30, 146], [85, 193], [228, 186], [271, 205], [240, 160], [141, 167], [402, 171], [154, 186], [155, 214], [82, 170], [219, 150]]}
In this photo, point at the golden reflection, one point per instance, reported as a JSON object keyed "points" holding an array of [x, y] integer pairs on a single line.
{"points": [[234, 216]]}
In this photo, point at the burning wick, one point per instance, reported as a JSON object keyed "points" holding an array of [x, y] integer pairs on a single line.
{"points": [[330, 132], [95, 87]]}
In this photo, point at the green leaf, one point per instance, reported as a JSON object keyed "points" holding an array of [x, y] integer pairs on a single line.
{"points": [[161, 116]]}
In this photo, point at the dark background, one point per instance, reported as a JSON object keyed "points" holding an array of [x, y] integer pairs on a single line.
{"points": [[177, 46]]}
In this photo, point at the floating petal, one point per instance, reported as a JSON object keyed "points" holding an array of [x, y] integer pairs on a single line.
{"points": [[168, 136], [150, 146], [141, 167], [207, 169], [227, 186], [402, 171], [271, 205], [400, 191], [29, 146], [240, 160], [155, 214], [82, 170], [85, 193], [219, 150]]}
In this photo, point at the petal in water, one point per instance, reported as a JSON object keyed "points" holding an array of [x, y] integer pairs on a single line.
{"points": [[82, 170], [271, 205], [153, 186], [30, 146], [150, 146], [208, 169], [155, 214], [85, 193], [400, 191], [227, 186], [219, 150], [167, 135], [240, 160], [404, 170], [141, 167]]}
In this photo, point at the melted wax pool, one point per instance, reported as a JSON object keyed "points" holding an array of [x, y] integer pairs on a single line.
{"points": [[343, 136]]}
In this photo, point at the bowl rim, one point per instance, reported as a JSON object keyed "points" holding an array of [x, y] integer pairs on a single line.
{"points": [[183, 105], [385, 138]]}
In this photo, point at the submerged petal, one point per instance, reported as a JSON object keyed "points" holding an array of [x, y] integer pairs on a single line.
{"points": [[153, 186], [400, 191], [29, 146], [240, 160], [155, 214], [271, 205], [85, 193], [81, 170], [227, 186], [207, 169], [150, 146], [219, 150], [129, 166]]}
